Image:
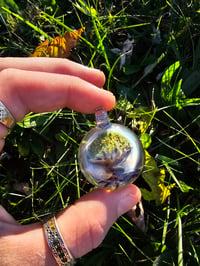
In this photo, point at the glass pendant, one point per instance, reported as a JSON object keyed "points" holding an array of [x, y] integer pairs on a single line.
{"points": [[110, 155]]}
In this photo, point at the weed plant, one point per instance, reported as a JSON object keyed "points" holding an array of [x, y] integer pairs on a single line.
{"points": [[158, 96]]}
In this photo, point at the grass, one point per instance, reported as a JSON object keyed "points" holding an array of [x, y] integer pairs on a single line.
{"points": [[39, 171]]}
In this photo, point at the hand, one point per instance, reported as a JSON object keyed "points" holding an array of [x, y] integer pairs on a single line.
{"points": [[46, 84]]}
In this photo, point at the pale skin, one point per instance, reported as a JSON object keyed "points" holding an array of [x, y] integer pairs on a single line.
{"points": [[44, 84]]}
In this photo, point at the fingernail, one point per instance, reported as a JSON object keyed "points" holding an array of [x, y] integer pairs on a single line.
{"points": [[92, 68], [109, 93], [127, 201]]}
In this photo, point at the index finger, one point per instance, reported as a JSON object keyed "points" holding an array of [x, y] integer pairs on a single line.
{"points": [[30, 91], [54, 65]]}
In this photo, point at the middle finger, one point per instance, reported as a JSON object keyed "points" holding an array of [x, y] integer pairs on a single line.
{"points": [[54, 65]]}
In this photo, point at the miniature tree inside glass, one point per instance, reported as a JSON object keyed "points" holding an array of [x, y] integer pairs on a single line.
{"points": [[110, 155]]}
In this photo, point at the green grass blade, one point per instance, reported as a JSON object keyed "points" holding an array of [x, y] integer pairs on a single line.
{"points": [[28, 23], [180, 242]]}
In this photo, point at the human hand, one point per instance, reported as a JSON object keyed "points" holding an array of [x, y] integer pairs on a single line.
{"points": [[45, 84]]}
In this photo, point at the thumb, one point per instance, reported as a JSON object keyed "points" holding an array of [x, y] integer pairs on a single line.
{"points": [[85, 224]]}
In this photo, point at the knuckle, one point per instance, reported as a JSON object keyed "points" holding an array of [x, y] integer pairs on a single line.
{"points": [[6, 76]]}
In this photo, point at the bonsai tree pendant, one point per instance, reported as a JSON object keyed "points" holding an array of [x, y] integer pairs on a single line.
{"points": [[110, 155]]}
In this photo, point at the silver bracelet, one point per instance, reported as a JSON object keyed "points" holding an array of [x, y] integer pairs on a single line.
{"points": [[6, 117], [56, 243]]}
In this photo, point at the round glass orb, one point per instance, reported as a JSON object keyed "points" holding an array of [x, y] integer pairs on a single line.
{"points": [[110, 155]]}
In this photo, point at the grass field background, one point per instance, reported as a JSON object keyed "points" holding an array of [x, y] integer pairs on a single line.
{"points": [[157, 85]]}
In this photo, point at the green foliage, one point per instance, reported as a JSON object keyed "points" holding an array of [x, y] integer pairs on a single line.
{"points": [[155, 178], [9, 4], [158, 96], [172, 94]]}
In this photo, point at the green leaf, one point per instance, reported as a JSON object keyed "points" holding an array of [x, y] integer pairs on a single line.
{"points": [[171, 88], [169, 92], [191, 83], [9, 4], [37, 146], [185, 187], [155, 178], [167, 160], [146, 140], [131, 69], [24, 147]]}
